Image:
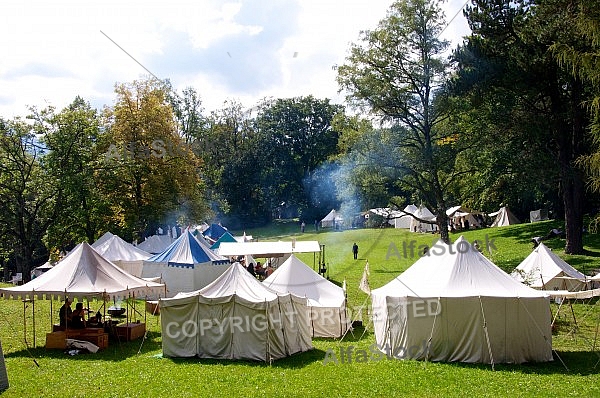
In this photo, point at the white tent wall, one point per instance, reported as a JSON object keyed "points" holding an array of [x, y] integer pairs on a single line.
{"points": [[233, 328], [132, 267], [457, 332], [328, 321], [183, 279]]}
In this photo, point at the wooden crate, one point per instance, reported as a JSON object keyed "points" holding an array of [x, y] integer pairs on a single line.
{"points": [[130, 331], [56, 340]]}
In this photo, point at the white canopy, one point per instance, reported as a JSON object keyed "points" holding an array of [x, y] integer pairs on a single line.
{"points": [[85, 273], [235, 317], [543, 269], [268, 249], [423, 213], [454, 304], [326, 301]]}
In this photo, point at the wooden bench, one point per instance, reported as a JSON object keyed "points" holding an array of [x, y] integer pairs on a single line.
{"points": [[58, 339]]}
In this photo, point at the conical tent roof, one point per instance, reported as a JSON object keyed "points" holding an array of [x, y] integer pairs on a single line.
{"points": [[187, 251], [457, 270], [156, 243], [504, 217], [542, 266], [116, 249], [294, 276], [102, 239], [214, 232], [226, 237], [83, 273], [236, 280]]}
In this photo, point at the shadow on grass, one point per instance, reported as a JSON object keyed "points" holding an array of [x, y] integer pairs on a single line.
{"points": [[577, 362], [116, 351], [295, 361]]}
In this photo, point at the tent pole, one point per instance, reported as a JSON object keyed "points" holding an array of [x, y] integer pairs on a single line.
{"points": [[33, 317], [487, 337]]}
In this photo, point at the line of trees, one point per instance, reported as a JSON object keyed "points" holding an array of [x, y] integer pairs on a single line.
{"points": [[510, 117]]}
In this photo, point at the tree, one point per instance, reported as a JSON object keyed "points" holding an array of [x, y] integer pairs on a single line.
{"points": [[30, 197], [150, 174], [295, 136], [515, 38], [71, 138], [397, 72]]}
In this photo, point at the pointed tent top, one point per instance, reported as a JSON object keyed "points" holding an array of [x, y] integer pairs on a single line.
{"points": [[102, 239], [226, 237], [542, 265], [83, 273], [214, 232], [116, 249], [295, 277], [187, 251]]}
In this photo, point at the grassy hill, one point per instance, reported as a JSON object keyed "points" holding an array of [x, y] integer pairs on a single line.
{"points": [[137, 369]]}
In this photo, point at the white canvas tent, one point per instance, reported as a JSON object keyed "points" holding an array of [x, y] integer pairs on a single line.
{"points": [[37, 271], [123, 254], [462, 216], [544, 270], [332, 220], [186, 265], [102, 239], [156, 243], [235, 317], [84, 273], [504, 217], [326, 301], [455, 305], [423, 213]]}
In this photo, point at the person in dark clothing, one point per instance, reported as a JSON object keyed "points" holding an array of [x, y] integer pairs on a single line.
{"points": [[355, 250], [65, 313], [250, 268], [78, 317]]}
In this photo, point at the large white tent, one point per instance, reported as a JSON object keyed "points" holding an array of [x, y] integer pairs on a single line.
{"points": [[326, 301], [84, 273], [455, 305], [235, 317], [463, 217], [186, 265], [544, 270], [123, 254], [504, 217]]}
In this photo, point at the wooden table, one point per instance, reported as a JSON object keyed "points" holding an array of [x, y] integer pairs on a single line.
{"points": [[130, 331]]}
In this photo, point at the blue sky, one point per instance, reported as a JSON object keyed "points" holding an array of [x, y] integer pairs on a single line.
{"points": [[242, 50]]}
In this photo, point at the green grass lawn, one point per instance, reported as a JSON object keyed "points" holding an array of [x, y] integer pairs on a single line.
{"points": [[136, 369]]}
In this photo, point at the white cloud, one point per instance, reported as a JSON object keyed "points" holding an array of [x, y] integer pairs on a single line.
{"points": [[242, 49]]}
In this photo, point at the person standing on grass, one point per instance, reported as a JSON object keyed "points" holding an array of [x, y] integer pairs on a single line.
{"points": [[355, 250]]}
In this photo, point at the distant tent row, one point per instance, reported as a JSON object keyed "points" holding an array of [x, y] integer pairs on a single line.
{"points": [[504, 217]]}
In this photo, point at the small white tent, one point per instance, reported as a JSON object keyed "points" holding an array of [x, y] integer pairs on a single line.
{"points": [[504, 217], [544, 270], [423, 213], [455, 305], [326, 301], [235, 317], [123, 254], [332, 220]]}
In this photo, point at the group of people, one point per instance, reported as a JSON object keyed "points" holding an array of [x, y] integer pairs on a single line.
{"points": [[74, 319], [258, 270]]}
